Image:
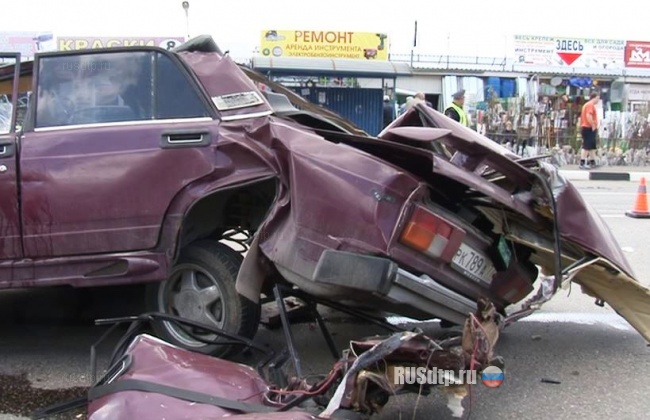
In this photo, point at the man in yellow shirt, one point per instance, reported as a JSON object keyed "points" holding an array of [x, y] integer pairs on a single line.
{"points": [[455, 111]]}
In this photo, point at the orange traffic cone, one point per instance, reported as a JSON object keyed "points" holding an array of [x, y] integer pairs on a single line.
{"points": [[641, 206]]}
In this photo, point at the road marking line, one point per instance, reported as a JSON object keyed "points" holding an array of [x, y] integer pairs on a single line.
{"points": [[606, 193], [585, 318], [612, 320]]}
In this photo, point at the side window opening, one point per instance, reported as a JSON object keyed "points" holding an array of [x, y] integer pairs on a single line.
{"points": [[175, 97], [6, 112], [97, 88], [7, 70], [94, 88]]}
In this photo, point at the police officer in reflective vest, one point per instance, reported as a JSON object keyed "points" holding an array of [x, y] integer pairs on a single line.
{"points": [[455, 111]]}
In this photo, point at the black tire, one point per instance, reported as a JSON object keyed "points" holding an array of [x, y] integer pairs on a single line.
{"points": [[204, 270]]}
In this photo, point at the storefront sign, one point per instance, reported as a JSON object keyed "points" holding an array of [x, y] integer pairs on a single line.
{"points": [[638, 92], [331, 44], [26, 43], [68, 43], [637, 54], [570, 52]]}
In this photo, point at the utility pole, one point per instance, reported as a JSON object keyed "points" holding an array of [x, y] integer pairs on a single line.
{"points": [[415, 40], [186, 7], [448, 47]]}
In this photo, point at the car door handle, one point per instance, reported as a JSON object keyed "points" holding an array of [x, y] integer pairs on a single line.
{"points": [[187, 138], [7, 148], [184, 138]]}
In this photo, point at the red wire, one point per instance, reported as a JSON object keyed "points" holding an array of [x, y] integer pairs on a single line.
{"points": [[335, 372], [473, 361], [330, 378]]}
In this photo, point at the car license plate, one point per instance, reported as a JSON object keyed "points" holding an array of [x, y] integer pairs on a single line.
{"points": [[473, 264]]}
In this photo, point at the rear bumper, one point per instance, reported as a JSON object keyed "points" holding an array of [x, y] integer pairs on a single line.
{"points": [[384, 279]]}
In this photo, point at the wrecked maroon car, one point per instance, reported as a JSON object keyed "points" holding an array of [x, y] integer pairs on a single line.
{"points": [[138, 165]]}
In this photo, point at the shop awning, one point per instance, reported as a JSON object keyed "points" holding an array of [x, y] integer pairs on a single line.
{"points": [[331, 67], [460, 65], [582, 71]]}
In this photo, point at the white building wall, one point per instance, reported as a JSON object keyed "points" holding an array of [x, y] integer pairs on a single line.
{"points": [[431, 84]]}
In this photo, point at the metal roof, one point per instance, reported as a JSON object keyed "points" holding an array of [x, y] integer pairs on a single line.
{"points": [[526, 69], [586, 71], [331, 66], [401, 65], [460, 64], [455, 63]]}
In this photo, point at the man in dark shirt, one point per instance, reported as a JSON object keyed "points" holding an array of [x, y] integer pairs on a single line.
{"points": [[389, 111], [422, 98]]}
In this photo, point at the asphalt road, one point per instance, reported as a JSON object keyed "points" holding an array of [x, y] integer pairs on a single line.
{"points": [[601, 363]]}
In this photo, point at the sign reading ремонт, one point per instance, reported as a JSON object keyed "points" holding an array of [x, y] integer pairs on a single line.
{"points": [[329, 44]]}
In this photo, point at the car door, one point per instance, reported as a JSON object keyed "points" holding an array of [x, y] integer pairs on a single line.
{"points": [[116, 135], [10, 240]]}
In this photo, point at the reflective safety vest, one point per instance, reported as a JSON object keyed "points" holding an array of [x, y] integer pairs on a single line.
{"points": [[461, 113]]}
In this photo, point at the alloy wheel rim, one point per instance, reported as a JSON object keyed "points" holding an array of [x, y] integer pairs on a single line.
{"points": [[192, 293]]}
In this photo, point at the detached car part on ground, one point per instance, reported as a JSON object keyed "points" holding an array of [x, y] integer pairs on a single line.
{"points": [[149, 378], [422, 220]]}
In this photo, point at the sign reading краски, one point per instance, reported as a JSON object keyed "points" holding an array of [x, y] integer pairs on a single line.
{"points": [[329, 44], [69, 43]]}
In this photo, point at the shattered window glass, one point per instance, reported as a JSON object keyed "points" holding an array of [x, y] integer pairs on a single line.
{"points": [[6, 91], [110, 87], [94, 88], [5, 114]]}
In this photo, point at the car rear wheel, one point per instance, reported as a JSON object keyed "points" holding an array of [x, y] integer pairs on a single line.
{"points": [[201, 287]]}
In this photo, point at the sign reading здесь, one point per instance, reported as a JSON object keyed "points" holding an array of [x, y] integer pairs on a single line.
{"points": [[570, 52], [68, 43], [329, 44]]}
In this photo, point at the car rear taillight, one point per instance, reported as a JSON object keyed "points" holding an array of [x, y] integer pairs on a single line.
{"points": [[432, 235]]}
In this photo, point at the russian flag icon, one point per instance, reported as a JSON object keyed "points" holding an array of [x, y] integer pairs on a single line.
{"points": [[492, 376]]}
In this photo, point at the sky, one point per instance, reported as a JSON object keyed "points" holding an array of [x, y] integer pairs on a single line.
{"points": [[477, 28]]}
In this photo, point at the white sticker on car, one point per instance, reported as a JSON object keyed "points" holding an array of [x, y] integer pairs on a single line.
{"points": [[237, 100]]}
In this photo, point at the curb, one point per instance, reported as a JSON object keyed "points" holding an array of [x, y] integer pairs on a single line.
{"points": [[584, 175]]}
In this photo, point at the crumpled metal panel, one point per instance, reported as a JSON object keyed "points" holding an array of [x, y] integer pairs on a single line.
{"points": [[332, 196], [156, 361], [578, 221]]}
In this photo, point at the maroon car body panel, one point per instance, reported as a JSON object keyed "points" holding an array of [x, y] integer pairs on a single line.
{"points": [[10, 234], [155, 361], [229, 81], [173, 367], [583, 225], [105, 192], [329, 204]]}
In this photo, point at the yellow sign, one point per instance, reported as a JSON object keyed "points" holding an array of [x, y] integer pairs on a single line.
{"points": [[329, 44]]}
